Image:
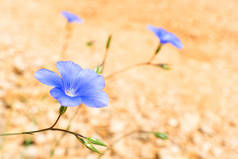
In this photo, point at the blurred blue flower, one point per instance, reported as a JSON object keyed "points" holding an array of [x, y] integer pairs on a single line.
{"points": [[71, 17], [75, 85], [166, 37]]}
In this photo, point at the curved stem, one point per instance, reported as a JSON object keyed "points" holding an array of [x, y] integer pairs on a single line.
{"points": [[41, 130], [51, 128], [67, 131], [56, 121], [131, 67], [129, 134], [139, 64], [26, 132], [122, 137], [126, 69], [58, 140]]}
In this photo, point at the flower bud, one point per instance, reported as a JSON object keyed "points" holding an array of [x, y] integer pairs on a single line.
{"points": [[96, 141]]}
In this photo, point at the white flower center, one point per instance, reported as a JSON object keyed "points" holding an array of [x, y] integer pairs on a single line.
{"points": [[70, 93]]}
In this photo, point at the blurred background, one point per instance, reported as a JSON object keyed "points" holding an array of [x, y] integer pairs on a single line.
{"points": [[195, 103]]}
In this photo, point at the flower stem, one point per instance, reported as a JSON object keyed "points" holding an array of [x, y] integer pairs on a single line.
{"points": [[106, 52], [156, 52], [68, 35], [110, 148], [41, 130], [56, 121], [57, 142], [51, 128], [139, 64], [125, 69]]}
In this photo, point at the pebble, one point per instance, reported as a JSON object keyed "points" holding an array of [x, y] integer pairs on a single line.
{"points": [[206, 147], [19, 65], [216, 151], [147, 152], [173, 122], [30, 151], [167, 153], [116, 126], [206, 130], [189, 122], [193, 155], [59, 151]]}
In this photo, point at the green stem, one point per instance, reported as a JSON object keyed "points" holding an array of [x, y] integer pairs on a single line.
{"points": [[106, 52], [68, 35], [51, 128], [41, 130], [56, 121], [139, 64], [125, 69], [57, 142], [156, 52]]}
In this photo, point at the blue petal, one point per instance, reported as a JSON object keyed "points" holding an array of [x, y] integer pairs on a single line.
{"points": [[69, 72], [95, 98], [165, 36], [89, 79], [154, 30], [176, 42], [71, 17], [48, 77], [63, 99]]}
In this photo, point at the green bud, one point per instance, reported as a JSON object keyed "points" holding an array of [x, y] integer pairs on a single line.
{"points": [[108, 41], [164, 66], [86, 143], [99, 69], [62, 110], [96, 141], [160, 135], [28, 142], [52, 152], [90, 43]]}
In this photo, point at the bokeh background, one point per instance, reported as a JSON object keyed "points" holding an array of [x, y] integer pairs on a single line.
{"points": [[195, 103]]}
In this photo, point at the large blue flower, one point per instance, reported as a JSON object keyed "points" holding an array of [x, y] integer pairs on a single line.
{"points": [[71, 17], [75, 86], [166, 37]]}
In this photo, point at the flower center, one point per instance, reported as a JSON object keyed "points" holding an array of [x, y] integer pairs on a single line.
{"points": [[70, 93]]}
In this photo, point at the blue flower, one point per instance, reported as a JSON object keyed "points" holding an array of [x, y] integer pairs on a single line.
{"points": [[166, 37], [75, 85], [71, 17]]}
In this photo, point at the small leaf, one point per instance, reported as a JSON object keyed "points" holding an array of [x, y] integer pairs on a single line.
{"points": [[99, 69], [160, 135], [62, 110], [96, 141], [89, 145]]}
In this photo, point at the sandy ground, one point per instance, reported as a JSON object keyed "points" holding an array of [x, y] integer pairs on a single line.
{"points": [[195, 102]]}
